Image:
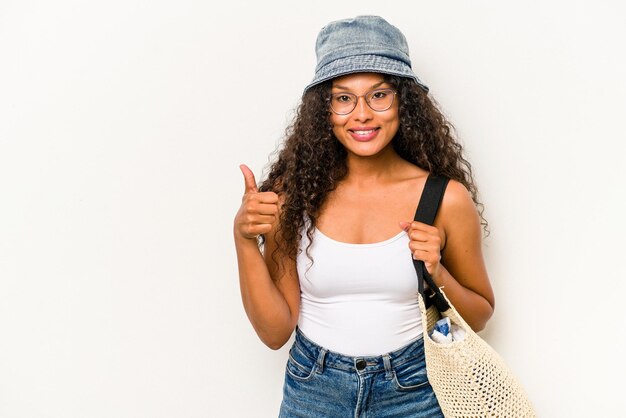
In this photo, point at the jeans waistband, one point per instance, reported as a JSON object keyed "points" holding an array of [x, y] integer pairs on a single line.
{"points": [[358, 364]]}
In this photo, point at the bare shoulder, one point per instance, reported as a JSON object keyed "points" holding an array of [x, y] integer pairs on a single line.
{"points": [[457, 198], [458, 214]]}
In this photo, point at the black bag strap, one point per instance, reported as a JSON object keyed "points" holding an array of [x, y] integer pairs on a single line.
{"points": [[427, 208]]}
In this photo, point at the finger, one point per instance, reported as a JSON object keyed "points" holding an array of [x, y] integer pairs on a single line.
{"points": [[268, 197], [249, 180], [426, 256], [253, 204], [420, 255], [419, 235], [424, 247], [418, 245], [405, 225], [266, 219], [257, 219], [420, 226], [256, 230], [267, 209]]}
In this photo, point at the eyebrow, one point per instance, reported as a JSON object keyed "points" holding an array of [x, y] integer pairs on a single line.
{"points": [[336, 86]]}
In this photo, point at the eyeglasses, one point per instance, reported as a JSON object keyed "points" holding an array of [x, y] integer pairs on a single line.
{"points": [[378, 100]]}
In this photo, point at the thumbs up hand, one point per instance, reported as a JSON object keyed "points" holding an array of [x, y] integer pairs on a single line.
{"points": [[258, 211]]}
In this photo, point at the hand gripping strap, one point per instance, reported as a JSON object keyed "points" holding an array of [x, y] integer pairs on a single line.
{"points": [[427, 208]]}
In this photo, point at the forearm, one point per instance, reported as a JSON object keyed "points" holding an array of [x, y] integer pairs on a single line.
{"points": [[263, 302], [474, 308]]}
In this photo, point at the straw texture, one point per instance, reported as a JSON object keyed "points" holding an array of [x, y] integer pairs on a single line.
{"points": [[468, 377]]}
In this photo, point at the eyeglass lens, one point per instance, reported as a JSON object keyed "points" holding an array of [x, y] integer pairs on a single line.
{"points": [[379, 100]]}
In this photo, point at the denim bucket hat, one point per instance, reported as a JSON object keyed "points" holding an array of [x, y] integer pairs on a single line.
{"points": [[361, 44]]}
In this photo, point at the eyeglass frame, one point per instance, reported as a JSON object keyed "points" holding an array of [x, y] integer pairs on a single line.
{"points": [[364, 96]]}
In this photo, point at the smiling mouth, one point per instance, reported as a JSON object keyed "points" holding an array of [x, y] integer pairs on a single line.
{"points": [[369, 131], [364, 134]]}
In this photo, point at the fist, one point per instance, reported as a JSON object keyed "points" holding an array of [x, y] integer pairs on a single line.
{"points": [[258, 211], [425, 244]]}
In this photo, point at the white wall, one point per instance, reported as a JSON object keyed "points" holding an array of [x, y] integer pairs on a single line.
{"points": [[122, 124]]}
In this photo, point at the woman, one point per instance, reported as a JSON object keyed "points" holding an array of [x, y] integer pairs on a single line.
{"points": [[335, 217]]}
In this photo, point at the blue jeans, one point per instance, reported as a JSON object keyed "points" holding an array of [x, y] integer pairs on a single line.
{"points": [[321, 383]]}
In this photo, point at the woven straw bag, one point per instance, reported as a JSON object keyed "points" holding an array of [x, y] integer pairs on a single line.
{"points": [[468, 377]]}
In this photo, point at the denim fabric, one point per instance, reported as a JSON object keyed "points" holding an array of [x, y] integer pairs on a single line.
{"points": [[361, 44], [321, 383]]}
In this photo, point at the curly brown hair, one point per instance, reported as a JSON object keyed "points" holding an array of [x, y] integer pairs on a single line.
{"points": [[312, 162]]}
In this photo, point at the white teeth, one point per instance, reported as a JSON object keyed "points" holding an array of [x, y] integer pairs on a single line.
{"points": [[364, 132]]}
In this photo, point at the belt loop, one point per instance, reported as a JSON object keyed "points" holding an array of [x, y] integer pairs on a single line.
{"points": [[387, 362], [320, 360]]}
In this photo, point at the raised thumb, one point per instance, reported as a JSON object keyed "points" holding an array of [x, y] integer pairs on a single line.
{"points": [[249, 180]]}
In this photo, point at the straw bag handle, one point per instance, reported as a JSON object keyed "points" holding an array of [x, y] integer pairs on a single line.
{"points": [[426, 211]]}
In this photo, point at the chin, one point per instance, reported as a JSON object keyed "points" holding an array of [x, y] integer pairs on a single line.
{"points": [[365, 152], [367, 149]]}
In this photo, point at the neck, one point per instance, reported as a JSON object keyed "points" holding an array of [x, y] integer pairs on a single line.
{"points": [[381, 167]]}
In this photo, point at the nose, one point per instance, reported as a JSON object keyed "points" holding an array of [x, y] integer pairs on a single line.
{"points": [[362, 111]]}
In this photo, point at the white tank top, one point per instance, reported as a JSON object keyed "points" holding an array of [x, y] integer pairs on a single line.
{"points": [[358, 299]]}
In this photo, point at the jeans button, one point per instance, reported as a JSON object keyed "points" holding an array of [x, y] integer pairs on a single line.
{"points": [[360, 364]]}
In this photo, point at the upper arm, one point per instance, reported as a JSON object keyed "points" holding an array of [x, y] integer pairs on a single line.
{"points": [[462, 252], [283, 272]]}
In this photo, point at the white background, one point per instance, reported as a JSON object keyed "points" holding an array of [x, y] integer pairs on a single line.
{"points": [[122, 125]]}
